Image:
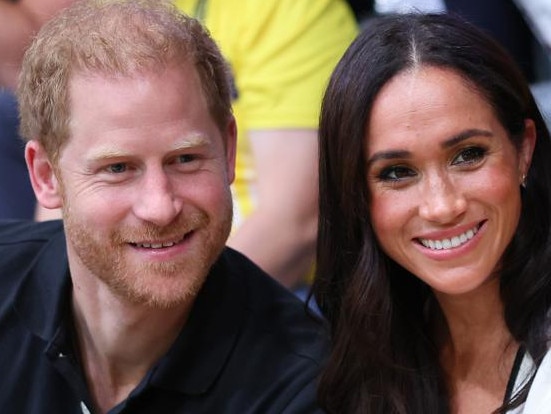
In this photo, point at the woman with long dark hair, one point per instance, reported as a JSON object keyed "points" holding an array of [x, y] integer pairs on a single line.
{"points": [[434, 254]]}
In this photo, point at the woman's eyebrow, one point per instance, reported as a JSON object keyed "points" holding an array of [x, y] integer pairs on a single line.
{"points": [[448, 143], [388, 155], [462, 136]]}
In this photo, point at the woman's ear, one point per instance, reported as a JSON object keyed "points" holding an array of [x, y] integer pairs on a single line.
{"points": [[527, 148], [44, 181]]}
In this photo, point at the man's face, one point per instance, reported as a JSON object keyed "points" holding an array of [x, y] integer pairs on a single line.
{"points": [[145, 182]]}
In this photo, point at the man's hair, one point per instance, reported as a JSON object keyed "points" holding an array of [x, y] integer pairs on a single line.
{"points": [[112, 38]]}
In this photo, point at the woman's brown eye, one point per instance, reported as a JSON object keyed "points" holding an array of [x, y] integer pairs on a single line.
{"points": [[469, 155], [396, 173]]}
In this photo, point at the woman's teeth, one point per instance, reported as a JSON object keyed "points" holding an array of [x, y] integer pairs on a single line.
{"points": [[445, 244]]}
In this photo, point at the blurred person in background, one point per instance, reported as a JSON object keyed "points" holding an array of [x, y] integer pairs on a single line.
{"points": [[281, 53], [19, 21]]}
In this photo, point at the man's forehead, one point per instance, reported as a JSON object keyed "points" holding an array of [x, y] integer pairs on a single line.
{"points": [[183, 66]]}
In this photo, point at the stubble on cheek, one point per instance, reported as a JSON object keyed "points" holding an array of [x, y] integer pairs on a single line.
{"points": [[157, 284]]}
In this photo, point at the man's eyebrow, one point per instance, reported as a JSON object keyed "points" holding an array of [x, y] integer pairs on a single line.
{"points": [[111, 152], [448, 143], [106, 153], [190, 141]]}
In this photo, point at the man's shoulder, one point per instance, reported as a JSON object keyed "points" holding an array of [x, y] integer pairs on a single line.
{"points": [[277, 314], [271, 346], [14, 232], [22, 241]]}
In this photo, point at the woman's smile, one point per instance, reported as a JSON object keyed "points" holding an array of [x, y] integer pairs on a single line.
{"points": [[440, 161]]}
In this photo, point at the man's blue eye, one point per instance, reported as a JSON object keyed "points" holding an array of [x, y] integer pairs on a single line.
{"points": [[117, 168], [186, 158]]}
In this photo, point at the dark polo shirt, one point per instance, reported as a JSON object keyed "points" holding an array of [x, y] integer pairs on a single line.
{"points": [[248, 346]]}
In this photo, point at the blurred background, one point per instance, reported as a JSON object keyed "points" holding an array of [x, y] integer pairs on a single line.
{"points": [[522, 26]]}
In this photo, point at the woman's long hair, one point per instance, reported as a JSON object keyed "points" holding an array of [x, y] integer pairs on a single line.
{"points": [[385, 358]]}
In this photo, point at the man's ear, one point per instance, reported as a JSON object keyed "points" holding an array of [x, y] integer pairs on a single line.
{"points": [[45, 184], [527, 148], [231, 148]]}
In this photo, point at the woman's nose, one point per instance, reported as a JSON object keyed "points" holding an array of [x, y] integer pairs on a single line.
{"points": [[442, 200]]}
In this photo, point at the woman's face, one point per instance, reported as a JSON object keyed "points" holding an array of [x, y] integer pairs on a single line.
{"points": [[444, 179]]}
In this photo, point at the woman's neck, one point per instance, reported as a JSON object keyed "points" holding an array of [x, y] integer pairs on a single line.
{"points": [[478, 351]]}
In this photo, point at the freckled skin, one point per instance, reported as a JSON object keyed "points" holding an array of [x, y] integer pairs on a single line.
{"points": [[442, 187], [145, 163]]}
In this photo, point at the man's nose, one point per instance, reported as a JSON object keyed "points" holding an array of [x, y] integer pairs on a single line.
{"points": [[157, 201]]}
